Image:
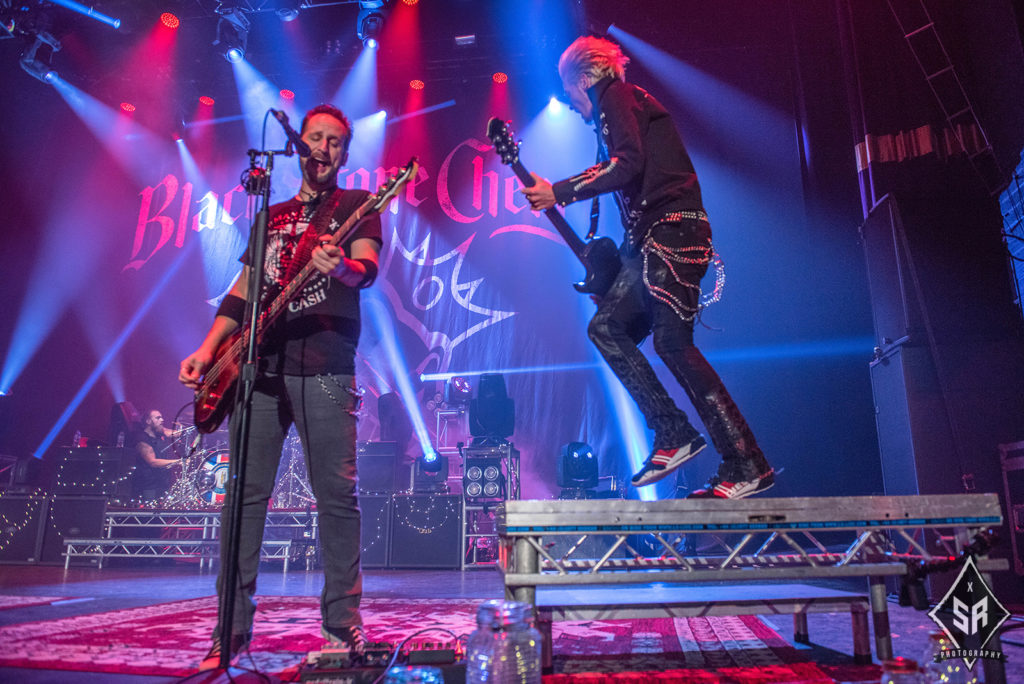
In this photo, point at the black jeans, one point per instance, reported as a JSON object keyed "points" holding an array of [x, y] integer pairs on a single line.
{"points": [[322, 408], [661, 295]]}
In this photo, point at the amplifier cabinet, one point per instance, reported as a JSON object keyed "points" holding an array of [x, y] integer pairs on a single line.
{"points": [[77, 517], [378, 466], [21, 527], [426, 531], [94, 471], [375, 530]]}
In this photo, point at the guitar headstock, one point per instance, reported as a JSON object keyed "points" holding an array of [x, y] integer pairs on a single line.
{"points": [[389, 190], [500, 134]]}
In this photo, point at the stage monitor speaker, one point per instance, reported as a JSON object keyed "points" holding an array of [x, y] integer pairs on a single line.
{"points": [[375, 530], [73, 518], [426, 531], [94, 471], [21, 527], [378, 468]]}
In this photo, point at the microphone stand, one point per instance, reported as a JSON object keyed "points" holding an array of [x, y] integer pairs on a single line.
{"points": [[257, 183]]}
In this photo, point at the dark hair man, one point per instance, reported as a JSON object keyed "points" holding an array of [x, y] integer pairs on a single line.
{"points": [[306, 377], [151, 477], [665, 253]]}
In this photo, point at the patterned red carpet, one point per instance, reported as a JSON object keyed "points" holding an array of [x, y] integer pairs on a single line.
{"points": [[170, 638]]}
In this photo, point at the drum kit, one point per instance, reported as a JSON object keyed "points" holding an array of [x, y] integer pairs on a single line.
{"points": [[202, 479]]}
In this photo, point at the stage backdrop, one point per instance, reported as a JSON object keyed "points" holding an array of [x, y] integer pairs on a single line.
{"points": [[126, 240]]}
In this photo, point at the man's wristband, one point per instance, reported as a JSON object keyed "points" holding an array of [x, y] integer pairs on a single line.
{"points": [[371, 273], [233, 307]]}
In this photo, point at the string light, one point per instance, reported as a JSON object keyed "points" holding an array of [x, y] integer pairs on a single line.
{"points": [[9, 529], [421, 519]]}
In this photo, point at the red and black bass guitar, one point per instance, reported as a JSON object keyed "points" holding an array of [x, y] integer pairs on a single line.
{"points": [[600, 257], [217, 390]]}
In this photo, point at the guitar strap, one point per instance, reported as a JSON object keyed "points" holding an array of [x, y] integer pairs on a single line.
{"points": [[318, 225], [595, 204]]}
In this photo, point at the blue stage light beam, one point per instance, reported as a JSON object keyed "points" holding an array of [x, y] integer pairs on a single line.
{"points": [[375, 306], [631, 427], [111, 353], [220, 246], [131, 145], [723, 121], [367, 149], [77, 244], [357, 94], [555, 368], [420, 112], [256, 95], [89, 12]]}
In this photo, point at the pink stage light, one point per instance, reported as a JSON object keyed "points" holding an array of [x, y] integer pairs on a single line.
{"points": [[206, 100], [287, 94], [500, 77], [416, 84], [169, 20], [127, 107]]}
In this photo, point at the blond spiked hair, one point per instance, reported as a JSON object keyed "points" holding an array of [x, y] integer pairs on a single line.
{"points": [[593, 57]]}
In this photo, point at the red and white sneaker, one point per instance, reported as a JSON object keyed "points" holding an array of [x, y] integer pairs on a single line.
{"points": [[661, 462], [717, 488]]}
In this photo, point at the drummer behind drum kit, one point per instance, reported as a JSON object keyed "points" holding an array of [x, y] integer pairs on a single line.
{"points": [[203, 476]]}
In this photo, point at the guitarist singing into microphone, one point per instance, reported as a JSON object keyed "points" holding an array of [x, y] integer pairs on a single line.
{"points": [[306, 377], [665, 253]]}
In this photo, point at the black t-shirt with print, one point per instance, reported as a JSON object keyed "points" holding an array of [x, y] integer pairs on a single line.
{"points": [[319, 329]]}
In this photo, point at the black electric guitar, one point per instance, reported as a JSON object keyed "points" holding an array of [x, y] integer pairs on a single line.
{"points": [[216, 393], [600, 257]]}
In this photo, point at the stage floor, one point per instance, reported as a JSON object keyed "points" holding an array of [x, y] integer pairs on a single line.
{"points": [[83, 591]]}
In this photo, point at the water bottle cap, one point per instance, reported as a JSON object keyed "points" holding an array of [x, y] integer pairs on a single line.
{"points": [[498, 614], [900, 665]]}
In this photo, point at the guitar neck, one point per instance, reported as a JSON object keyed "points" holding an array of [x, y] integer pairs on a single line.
{"points": [[557, 220]]}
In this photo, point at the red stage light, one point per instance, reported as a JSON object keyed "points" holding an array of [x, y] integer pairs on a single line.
{"points": [[169, 20], [416, 84], [499, 77], [287, 94], [127, 107], [206, 100], [410, 2]]}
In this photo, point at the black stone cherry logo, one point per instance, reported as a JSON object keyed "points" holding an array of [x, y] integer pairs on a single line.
{"points": [[970, 615]]}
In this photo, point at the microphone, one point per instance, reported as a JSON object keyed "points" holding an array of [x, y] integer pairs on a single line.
{"points": [[293, 138]]}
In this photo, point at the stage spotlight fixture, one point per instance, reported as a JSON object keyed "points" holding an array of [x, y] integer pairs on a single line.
{"points": [[287, 94], [500, 77], [483, 479], [36, 61], [232, 34], [416, 84], [577, 467], [492, 414], [206, 101], [466, 40], [457, 391], [431, 462], [127, 107], [169, 20], [288, 10], [369, 25]]}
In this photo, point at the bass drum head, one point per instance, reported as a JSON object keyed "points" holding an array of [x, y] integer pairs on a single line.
{"points": [[212, 477]]}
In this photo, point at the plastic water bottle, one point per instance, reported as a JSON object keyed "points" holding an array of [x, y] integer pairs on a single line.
{"points": [[947, 671], [76, 441], [409, 674], [504, 649], [900, 671]]}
